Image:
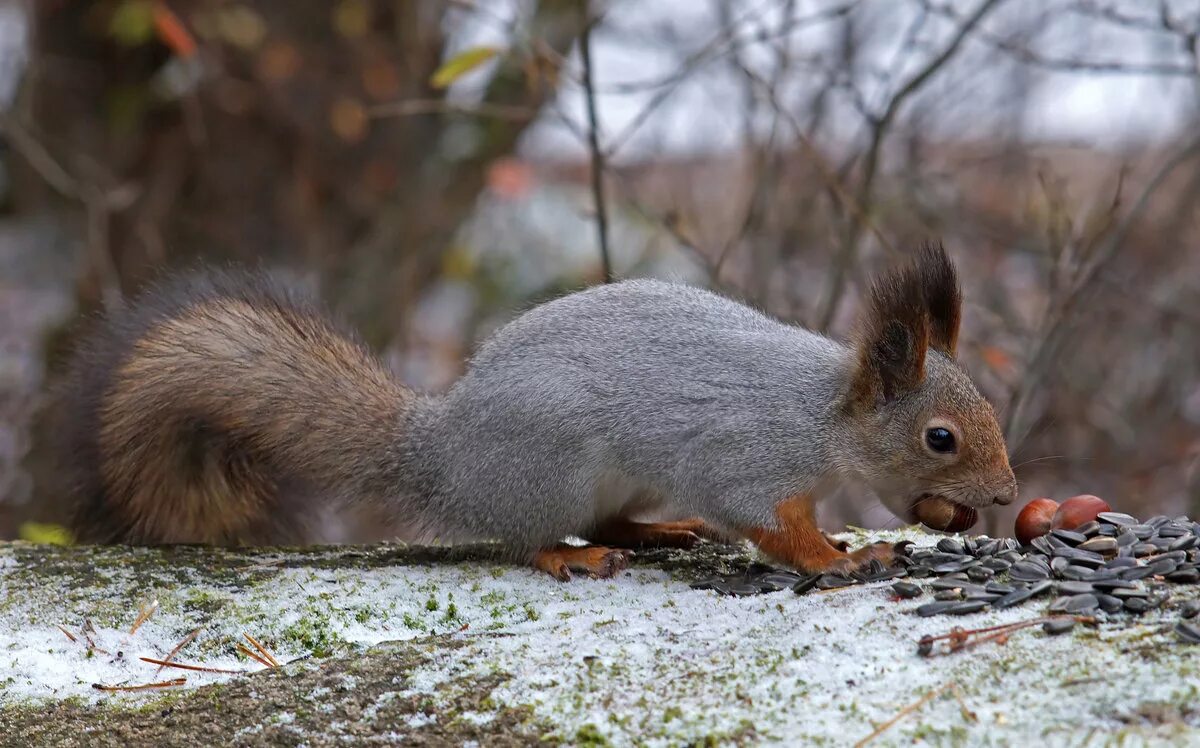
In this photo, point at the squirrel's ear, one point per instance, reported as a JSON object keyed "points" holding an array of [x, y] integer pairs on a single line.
{"points": [[893, 337], [939, 283]]}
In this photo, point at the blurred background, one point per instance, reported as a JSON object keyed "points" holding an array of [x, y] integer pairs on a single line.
{"points": [[433, 167]]}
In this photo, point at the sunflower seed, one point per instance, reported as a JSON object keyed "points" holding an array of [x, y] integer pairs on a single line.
{"points": [[1189, 632], [907, 590], [1058, 626], [1117, 518]]}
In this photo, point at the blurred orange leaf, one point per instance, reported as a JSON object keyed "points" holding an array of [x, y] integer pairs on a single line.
{"points": [[461, 64], [996, 358], [172, 32], [509, 178]]}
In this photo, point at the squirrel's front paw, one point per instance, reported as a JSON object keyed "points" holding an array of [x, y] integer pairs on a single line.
{"points": [[861, 559]]}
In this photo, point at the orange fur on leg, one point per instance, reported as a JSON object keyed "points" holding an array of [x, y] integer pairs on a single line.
{"points": [[629, 534], [798, 542], [594, 560]]}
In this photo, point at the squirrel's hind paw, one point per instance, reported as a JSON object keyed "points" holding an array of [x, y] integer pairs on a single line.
{"points": [[598, 562]]}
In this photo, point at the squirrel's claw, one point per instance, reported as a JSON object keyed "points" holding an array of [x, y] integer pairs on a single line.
{"points": [[596, 561]]}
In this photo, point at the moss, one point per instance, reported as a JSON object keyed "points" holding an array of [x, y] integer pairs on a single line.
{"points": [[314, 635], [590, 735]]}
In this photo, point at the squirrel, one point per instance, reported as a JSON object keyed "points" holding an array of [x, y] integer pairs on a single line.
{"points": [[226, 407]]}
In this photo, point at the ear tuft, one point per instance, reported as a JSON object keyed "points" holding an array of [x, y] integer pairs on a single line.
{"points": [[943, 298], [892, 339]]}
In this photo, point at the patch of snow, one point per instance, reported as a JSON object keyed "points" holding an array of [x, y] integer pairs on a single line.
{"points": [[642, 657]]}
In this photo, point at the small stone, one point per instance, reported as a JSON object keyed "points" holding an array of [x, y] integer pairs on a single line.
{"points": [[1110, 604], [1058, 626], [1190, 609]]}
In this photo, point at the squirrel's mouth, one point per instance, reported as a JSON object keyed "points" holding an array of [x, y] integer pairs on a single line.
{"points": [[940, 513]]}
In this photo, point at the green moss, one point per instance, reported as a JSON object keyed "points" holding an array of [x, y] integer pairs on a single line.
{"points": [[590, 735]]}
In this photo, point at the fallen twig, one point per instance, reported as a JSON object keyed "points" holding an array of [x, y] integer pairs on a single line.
{"points": [[182, 643], [198, 668], [906, 711], [141, 686], [959, 638], [63, 629]]}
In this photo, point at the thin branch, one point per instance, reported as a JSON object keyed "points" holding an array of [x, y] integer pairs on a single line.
{"points": [[1050, 342], [585, 51], [879, 130]]}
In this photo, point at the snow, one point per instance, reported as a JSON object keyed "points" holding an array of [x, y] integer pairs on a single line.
{"points": [[641, 656]]}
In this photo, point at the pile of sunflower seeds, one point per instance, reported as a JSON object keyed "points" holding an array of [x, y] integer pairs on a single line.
{"points": [[1114, 565]]}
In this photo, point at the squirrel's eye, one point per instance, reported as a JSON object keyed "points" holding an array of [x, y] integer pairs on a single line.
{"points": [[939, 439]]}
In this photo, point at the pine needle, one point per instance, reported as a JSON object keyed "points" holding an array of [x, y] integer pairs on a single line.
{"points": [[262, 650], [198, 668], [141, 686], [182, 643]]}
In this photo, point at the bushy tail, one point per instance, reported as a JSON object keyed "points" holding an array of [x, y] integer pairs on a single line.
{"points": [[224, 408]]}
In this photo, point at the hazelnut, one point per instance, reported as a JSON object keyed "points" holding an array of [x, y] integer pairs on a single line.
{"points": [[1077, 510], [942, 514], [1034, 519]]}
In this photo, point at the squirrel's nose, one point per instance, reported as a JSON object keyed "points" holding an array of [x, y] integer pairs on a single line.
{"points": [[1007, 496]]}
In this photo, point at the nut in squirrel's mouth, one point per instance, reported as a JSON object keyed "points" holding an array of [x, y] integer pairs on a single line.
{"points": [[940, 513]]}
